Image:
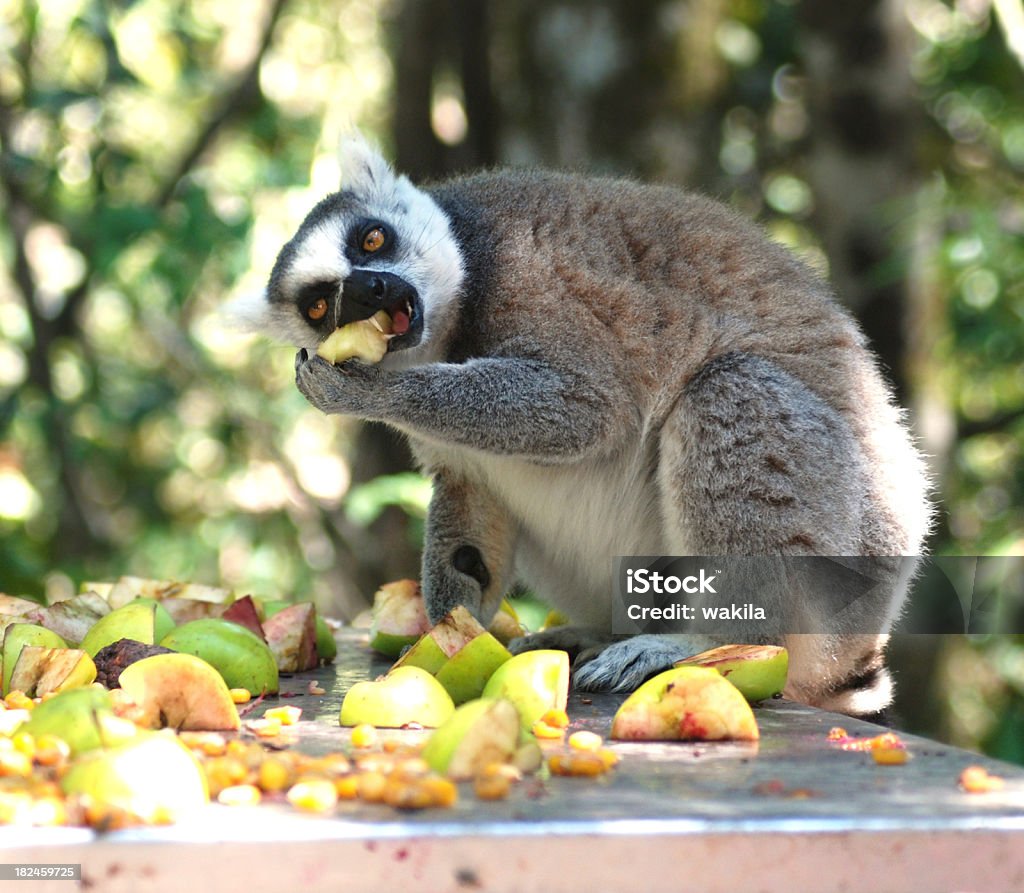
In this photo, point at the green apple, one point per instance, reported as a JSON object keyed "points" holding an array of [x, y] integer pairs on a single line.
{"points": [[406, 696], [399, 617], [142, 619], [479, 733], [83, 717], [40, 670], [466, 672], [685, 703], [153, 776], [758, 671], [16, 637], [239, 655], [326, 647], [535, 681], [180, 691], [425, 654]]}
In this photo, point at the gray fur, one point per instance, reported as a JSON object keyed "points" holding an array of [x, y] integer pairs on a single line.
{"points": [[617, 369]]}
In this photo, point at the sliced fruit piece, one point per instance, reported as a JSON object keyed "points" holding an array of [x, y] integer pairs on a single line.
{"points": [[326, 647], [399, 617], [535, 681], [466, 672], [243, 612], [366, 340], [72, 618], [291, 635], [506, 626], [406, 696], [180, 691], [143, 620], [16, 637], [242, 659], [15, 605], [685, 703], [40, 670], [154, 777], [758, 671], [478, 734], [128, 588], [425, 654], [78, 717], [182, 610]]}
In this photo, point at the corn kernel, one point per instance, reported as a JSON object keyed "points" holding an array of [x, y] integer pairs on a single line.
{"points": [[609, 757], [443, 792], [541, 729], [241, 695], [347, 786], [372, 786], [505, 770], [24, 742], [210, 744], [976, 780], [264, 728], [581, 763], [837, 733], [51, 750], [407, 795], [223, 772], [585, 741], [364, 735], [48, 812], [18, 700], [491, 787], [239, 795], [557, 718], [286, 716], [14, 762], [314, 795], [408, 768], [273, 775], [890, 756]]}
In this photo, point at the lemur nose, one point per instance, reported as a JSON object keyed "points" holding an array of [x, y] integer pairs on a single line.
{"points": [[379, 287]]}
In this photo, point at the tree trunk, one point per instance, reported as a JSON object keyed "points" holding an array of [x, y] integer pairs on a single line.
{"points": [[863, 121]]}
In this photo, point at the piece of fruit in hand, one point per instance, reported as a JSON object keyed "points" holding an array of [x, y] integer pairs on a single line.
{"points": [[366, 340]]}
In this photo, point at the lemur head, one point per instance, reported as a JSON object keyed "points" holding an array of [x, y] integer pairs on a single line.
{"points": [[378, 244]]}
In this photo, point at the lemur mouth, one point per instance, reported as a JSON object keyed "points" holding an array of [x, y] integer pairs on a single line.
{"points": [[406, 323], [367, 292]]}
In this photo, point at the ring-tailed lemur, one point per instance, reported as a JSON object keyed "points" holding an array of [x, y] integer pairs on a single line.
{"points": [[591, 368]]}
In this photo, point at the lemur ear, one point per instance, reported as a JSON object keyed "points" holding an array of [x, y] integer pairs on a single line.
{"points": [[363, 168]]}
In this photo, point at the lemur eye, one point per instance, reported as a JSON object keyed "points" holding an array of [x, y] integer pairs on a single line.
{"points": [[317, 310], [374, 240]]}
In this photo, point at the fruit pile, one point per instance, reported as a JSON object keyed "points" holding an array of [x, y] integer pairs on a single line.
{"points": [[162, 734]]}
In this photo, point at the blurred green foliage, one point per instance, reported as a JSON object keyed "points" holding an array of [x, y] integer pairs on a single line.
{"points": [[155, 154]]}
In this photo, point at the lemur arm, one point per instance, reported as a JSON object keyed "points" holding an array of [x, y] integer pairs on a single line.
{"points": [[509, 406]]}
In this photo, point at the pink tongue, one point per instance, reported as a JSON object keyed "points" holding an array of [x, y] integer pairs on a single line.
{"points": [[399, 322]]}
